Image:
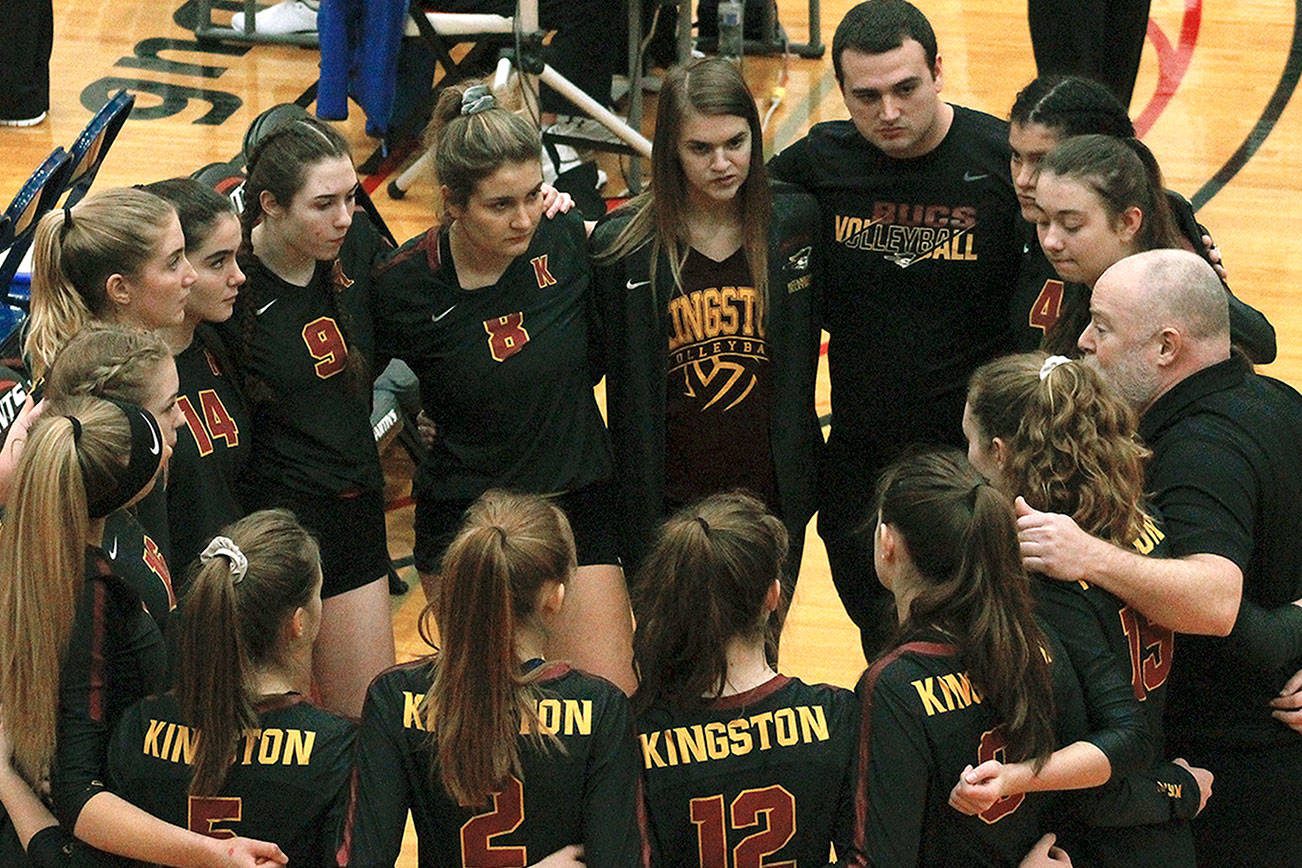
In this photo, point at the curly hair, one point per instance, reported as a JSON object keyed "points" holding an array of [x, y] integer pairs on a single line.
{"points": [[1071, 440]]}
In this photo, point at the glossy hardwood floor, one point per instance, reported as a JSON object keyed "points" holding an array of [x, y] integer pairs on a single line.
{"points": [[1223, 127]]}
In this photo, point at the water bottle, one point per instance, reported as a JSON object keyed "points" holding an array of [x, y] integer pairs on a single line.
{"points": [[730, 29]]}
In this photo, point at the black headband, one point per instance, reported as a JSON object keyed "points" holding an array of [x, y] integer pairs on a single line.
{"points": [[146, 455]]}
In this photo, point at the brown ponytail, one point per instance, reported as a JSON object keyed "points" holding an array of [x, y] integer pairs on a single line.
{"points": [[233, 627], [961, 535], [510, 546], [703, 583]]}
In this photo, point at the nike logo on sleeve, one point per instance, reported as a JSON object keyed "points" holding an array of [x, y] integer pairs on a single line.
{"points": [[260, 311]]}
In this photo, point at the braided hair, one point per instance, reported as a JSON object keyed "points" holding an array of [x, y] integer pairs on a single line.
{"points": [[279, 164], [1071, 106]]}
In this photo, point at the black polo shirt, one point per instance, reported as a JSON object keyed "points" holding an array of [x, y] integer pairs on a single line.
{"points": [[1226, 475]]}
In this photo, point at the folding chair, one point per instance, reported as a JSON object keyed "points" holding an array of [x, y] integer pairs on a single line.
{"points": [[93, 145], [36, 197]]}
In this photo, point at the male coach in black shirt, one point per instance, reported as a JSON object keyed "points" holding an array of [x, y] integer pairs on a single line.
{"points": [[920, 229], [1226, 478]]}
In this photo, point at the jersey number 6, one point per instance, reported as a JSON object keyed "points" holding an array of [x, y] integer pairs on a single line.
{"points": [[506, 816], [779, 809]]}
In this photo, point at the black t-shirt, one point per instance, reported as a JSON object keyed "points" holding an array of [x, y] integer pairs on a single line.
{"points": [[583, 792], [503, 369], [923, 722], [288, 784], [921, 255], [1226, 474], [116, 657], [315, 436], [138, 561], [211, 449], [768, 772], [719, 390]]}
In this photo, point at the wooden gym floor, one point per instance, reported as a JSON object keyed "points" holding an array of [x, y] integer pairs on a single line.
{"points": [[1213, 102]]}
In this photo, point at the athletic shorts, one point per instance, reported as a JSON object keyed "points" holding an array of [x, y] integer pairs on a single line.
{"points": [[591, 511], [349, 528]]}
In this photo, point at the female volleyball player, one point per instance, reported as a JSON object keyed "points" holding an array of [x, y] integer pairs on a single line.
{"points": [[490, 310], [970, 677], [1052, 309], [79, 646], [1053, 432], [238, 749], [126, 364], [499, 755], [725, 739], [302, 338], [707, 303], [211, 453]]}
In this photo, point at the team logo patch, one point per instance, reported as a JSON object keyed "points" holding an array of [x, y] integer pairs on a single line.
{"points": [[541, 273], [800, 259]]}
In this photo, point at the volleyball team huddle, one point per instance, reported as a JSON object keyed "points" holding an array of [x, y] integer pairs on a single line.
{"points": [[606, 596]]}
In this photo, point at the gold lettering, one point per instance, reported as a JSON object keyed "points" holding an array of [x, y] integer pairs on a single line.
{"points": [[959, 687], [549, 716], [716, 739], [813, 723], [270, 746], [578, 717], [151, 738], [760, 722], [927, 692], [298, 746], [691, 740], [167, 740], [186, 741], [251, 737], [651, 756], [784, 725], [728, 295], [411, 716], [740, 738]]}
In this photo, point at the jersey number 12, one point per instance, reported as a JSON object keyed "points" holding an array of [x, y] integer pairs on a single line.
{"points": [[778, 808]]}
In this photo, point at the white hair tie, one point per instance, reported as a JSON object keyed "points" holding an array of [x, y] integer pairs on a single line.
{"points": [[1051, 363], [223, 546]]}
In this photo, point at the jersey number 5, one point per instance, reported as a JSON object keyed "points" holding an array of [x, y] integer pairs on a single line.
{"points": [[506, 335], [779, 809], [326, 345], [479, 830], [206, 811], [992, 748]]}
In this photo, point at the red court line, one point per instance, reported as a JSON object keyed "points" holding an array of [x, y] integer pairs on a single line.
{"points": [[1172, 63]]}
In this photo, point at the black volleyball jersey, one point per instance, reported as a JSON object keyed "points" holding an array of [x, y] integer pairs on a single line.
{"points": [[139, 562], [503, 369], [115, 658], [1041, 298], [288, 783], [921, 256], [211, 448], [584, 791], [314, 436], [923, 721], [766, 775]]}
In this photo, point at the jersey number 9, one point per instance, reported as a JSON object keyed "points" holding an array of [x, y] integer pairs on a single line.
{"points": [[326, 345]]}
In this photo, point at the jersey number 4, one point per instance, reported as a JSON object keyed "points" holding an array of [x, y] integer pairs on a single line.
{"points": [[205, 812], [1047, 307], [778, 808], [326, 344], [506, 335], [479, 830], [215, 422]]}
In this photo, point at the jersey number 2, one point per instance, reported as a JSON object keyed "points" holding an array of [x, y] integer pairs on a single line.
{"points": [[326, 345], [779, 809], [205, 812], [506, 816]]}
